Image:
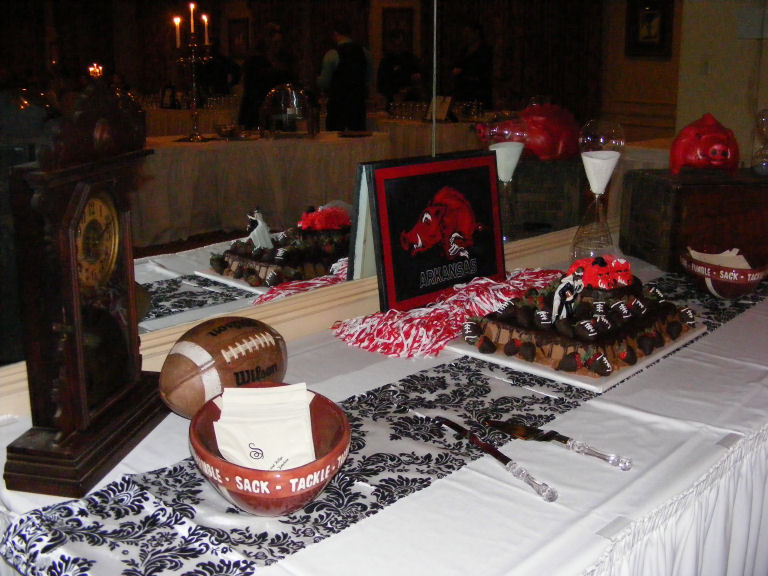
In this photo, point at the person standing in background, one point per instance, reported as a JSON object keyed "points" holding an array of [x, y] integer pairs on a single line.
{"points": [[345, 77], [398, 75], [268, 67], [219, 73], [473, 70]]}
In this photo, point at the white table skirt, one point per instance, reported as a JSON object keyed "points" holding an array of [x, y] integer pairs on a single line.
{"points": [[171, 122], [695, 424], [414, 137], [190, 188]]}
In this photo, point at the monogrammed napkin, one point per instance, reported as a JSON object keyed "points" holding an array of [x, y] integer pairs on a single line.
{"points": [[729, 259], [266, 428]]}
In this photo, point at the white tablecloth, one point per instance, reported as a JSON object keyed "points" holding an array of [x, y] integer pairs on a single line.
{"points": [[414, 137], [171, 122], [190, 188], [695, 502]]}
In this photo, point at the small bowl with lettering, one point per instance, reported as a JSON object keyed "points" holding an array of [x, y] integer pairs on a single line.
{"points": [[723, 281], [273, 492]]}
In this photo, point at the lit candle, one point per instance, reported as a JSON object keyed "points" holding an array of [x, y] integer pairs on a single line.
{"points": [[205, 23], [192, 17], [177, 22]]}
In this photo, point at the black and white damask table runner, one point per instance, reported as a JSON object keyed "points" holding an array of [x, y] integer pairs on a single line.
{"points": [[172, 521]]}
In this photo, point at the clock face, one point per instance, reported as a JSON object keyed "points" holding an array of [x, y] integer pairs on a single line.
{"points": [[97, 238]]}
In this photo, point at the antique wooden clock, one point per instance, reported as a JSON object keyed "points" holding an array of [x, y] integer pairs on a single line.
{"points": [[90, 400]]}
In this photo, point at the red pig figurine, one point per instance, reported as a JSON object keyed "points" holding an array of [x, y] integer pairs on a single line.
{"points": [[505, 128], [549, 131], [553, 133], [704, 143]]}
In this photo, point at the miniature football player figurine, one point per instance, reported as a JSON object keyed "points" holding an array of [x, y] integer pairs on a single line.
{"points": [[565, 295]]}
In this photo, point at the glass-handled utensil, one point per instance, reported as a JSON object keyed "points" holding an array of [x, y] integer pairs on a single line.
{"points": [[548, 493], [525, 432]]}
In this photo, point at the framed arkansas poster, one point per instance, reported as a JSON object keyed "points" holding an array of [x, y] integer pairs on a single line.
{"points": [[434, 222]]}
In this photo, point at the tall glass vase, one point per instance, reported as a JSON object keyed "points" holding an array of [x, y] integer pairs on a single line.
{"points": [[507, 156], [593, 237], [601, 143]]}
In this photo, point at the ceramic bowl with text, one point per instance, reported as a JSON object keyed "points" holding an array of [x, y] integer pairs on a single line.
{"points": [[273, 492], [723, 281]]}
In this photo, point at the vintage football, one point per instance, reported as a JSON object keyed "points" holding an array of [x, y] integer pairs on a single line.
{"points": [[220, 353]]}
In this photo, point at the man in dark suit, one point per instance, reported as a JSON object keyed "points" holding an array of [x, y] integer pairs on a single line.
{"points": [[345, 77]]}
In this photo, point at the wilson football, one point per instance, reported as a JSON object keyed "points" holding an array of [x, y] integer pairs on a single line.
{"points": [[219, 353]]}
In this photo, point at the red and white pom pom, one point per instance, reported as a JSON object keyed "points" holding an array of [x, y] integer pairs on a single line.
{"points": [[338, 274], [426, 331]]}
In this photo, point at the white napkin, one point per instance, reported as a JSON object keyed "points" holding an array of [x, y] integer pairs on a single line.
{"points": [[266, 428], [729, 259]]}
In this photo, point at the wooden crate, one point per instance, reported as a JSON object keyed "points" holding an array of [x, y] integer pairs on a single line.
{"points": [[709, 210]]}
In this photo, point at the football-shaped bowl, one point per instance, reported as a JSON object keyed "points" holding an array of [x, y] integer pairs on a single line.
{"points": [[723, 281], [228, 351], [273, 492]]}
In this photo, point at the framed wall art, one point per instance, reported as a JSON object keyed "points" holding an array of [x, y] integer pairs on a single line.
{"points": [[649, 29], [430, 223]]}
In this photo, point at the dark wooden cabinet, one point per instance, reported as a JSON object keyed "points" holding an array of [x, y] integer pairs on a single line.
{"points": [[709, 210]]}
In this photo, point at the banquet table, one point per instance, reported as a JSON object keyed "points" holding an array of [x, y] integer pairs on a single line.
{"points": [[190, 188], [414, 137], [174, 122], [413, 500]]}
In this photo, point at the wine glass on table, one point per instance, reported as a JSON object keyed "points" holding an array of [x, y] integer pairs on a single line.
{"points": [[601, 143], [508, 146]]}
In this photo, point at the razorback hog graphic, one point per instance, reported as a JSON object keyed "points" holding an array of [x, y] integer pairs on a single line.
{"points": [[448, 220]]}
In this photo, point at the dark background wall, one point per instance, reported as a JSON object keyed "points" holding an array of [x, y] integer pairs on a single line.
{"points": [[547, 47]]}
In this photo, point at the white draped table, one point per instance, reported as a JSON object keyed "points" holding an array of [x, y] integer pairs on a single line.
{"points": [[190, 188], [173, 122], [414, 137], [695, 501]]}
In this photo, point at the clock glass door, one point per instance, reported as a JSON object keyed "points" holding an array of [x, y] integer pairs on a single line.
{"points": [[104, 351]]}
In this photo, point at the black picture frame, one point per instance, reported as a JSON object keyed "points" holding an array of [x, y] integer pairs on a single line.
{"points": [[423, 202], [649, 28]]}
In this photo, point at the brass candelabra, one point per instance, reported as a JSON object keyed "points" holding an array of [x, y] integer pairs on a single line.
{"points": [[193, 56]]}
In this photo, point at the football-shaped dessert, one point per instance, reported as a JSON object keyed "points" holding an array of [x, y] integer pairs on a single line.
{"points": [[219, 353]]}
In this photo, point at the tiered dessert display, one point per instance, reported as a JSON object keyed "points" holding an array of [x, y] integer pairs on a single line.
{"points": [[595, 320], [302, 253]]}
